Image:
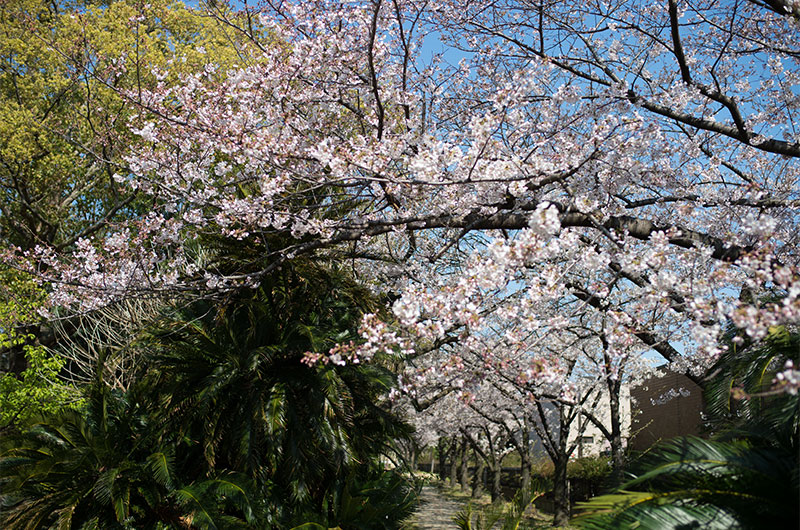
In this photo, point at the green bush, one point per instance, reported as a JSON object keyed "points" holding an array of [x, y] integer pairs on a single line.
{"points": [[594, 468], [376, 500]]}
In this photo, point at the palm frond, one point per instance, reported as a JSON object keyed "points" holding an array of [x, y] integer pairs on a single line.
{"points": [[161, 464], [710, 480]]}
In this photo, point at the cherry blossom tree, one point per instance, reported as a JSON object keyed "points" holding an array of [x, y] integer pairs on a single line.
{"points": [[626, 167], [647, 151], [69, 78], [657, 182], [538, 418]]}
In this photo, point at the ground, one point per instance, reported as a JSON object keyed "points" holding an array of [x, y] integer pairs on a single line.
{"points": [[435, 512], [439, 505]]}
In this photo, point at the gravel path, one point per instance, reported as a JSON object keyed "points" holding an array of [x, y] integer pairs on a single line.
{"points": [[435, 512]]}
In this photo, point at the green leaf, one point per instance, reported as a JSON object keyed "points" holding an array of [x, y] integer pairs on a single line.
{"points": [[161, 466]]}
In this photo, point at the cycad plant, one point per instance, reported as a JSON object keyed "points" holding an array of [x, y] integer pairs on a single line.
{"points": [[746, 477], [695, 483], [740, 396], [234, 381], [105, 467], [226, 424]]}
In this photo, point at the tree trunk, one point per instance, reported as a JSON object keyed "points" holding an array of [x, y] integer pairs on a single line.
{"points": [[477, 479], [525, 460], [464, 474], [617, 450], [497, 471], [560, 493], [453, 461], [442, 453], [12, 359], [15, 361], [614, 387], [525, 472]]}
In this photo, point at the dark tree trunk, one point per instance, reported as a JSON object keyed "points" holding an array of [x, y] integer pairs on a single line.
{"points": [[453, 454], [617, 451], [561, 503], [464, 472], [441, 449], [477, 479], [560, 493], [497, 471], [14, 361], [525, 460], [525, 472], [614, 388]]}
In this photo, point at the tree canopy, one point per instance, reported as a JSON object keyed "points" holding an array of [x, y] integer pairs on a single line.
{"points": [[627, 169]]}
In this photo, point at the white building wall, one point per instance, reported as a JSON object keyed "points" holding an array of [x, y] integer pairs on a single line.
{"points": [[592, 442]]}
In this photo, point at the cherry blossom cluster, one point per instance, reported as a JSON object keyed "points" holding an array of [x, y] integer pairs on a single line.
{"points": [[788, 380], [377, 337]]}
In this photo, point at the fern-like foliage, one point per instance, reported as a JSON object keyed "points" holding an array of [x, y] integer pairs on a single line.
{"points": [[702, 484], [106, 467], [746, 477]]}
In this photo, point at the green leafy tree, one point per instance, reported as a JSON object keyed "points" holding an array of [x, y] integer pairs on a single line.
{"points": [[31, 385], [36, 390], [71, 80]]}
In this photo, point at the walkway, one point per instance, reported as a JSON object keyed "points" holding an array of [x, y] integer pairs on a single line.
{"points": [[435, 511]]}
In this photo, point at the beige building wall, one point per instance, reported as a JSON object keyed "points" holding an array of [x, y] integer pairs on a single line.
{"points": [[592, 442]]}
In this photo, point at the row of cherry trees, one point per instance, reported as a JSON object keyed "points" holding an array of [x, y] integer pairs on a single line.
{"points": [[552, 192], [500, 415]]}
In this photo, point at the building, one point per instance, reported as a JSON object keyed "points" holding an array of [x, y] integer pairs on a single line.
{"points": [[665, 407], [591, 441]]}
